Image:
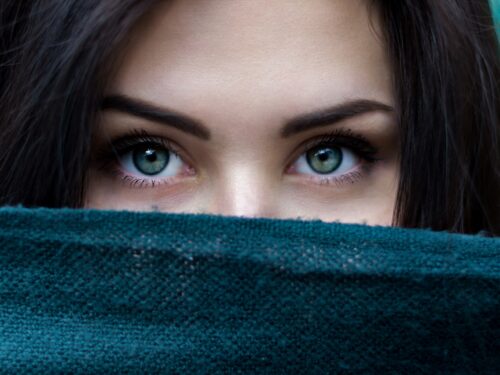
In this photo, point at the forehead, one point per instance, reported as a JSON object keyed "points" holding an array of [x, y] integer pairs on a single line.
{"points": [[272, 56]]}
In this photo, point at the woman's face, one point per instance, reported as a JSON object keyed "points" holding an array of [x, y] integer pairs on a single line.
{"points": [[255, 108]]}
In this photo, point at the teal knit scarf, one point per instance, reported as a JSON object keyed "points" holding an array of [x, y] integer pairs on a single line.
{"points": [[118, 292]]}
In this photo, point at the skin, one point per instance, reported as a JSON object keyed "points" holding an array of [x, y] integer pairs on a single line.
{"points": [[242, 69]]}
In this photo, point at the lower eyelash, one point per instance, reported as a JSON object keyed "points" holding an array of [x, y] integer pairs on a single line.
{"points": [[337, 181], [341, 180], [348, 178], [137, 182]]}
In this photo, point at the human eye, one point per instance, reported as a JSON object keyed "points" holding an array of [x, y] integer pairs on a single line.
{"points": [[338, 157], [143, 160]]}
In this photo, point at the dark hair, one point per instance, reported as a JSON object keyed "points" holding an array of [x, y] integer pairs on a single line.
{"points": [[56, 54]]}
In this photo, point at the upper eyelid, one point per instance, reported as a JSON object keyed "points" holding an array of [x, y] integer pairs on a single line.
{"points": [[341, 137], [128, 142]]}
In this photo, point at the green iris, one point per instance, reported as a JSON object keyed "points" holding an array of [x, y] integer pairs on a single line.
{"points": [[150, 159], [324, 160]]}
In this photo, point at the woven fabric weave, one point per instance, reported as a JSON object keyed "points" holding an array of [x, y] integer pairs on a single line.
{"points": [[85, 291]]}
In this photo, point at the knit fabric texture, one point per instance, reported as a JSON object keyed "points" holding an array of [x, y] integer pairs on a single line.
{"points": [[86, 291]]}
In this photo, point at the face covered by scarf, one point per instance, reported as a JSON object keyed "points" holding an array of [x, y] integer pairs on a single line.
{"points": [[85, 291]]}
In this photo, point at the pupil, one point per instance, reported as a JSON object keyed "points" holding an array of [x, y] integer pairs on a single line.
{"points": [[323, 155], [151, 155]]}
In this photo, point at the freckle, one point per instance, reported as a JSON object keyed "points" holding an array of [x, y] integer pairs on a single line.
{"points": [[155, 208]]}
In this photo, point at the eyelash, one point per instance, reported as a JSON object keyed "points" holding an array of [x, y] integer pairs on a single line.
{"points": [[115, 148], [342, 138]]}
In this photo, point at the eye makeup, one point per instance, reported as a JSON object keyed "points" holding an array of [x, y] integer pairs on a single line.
{"points": [[109, 158], [350, 143]]}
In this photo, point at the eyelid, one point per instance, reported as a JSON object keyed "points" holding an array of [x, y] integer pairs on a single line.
{"points": [[125, 143], [136, 137], [106, 158], [339, 137]]}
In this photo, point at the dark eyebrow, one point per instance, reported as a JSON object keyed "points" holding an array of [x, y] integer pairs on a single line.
{"points": [[332, 115], [192, 126], [150, 112]]}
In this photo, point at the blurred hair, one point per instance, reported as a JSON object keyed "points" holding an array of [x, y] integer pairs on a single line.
{"points": [[55, 56]]}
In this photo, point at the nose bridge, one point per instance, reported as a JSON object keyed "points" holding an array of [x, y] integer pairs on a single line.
{"points": [[242, 190]]}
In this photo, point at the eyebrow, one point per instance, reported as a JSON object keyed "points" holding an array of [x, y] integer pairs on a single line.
{"points": [[150, 112], [332, 115], [304, 122]]}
